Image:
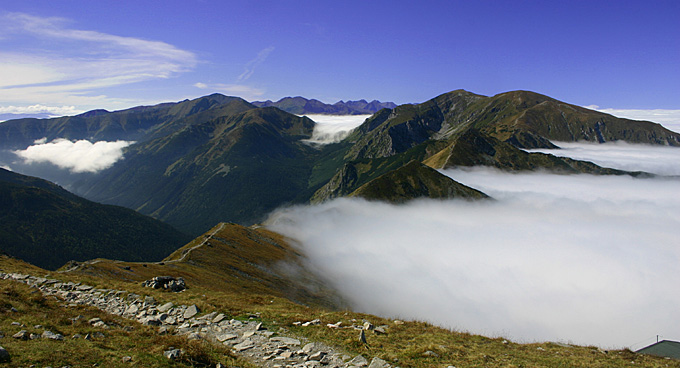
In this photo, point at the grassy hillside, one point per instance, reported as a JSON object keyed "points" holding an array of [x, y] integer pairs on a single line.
{"points": [[415, 180], [407, 344], [48, 226]]}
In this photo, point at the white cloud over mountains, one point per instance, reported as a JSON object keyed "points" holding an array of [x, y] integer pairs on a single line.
{"points": [[79, 156], [662, 160], [670, 119], [571, 258], [57, 64], [333, 128]]}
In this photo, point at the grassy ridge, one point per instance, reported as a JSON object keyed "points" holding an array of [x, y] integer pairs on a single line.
{"points": [[411, 344]]}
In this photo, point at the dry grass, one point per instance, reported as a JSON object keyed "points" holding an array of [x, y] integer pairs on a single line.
{"points": [[123, 338], [216, 283]]}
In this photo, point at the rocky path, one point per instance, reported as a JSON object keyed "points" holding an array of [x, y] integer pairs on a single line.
{"points": [[249, 339]]}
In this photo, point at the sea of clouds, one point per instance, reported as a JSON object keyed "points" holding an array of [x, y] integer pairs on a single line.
{"points": [[572, 258], [333, 128], [76, 156]]}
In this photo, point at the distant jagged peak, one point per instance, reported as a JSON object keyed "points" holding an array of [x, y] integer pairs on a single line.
{"points": [[301, 106]]}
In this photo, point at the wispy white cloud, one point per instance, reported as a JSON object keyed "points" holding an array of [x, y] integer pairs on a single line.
{"points": [[75, 66], [238, 90], [40, 109], [555, 257], [79, 156], [252, 64], [666, 117]]}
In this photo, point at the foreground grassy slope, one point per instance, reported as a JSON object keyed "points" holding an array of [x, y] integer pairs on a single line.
{"points": [[243, 261], [22, 308], [411, 344]]}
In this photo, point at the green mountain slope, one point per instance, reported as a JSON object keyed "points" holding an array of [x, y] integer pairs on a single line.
{"points": [[44, 224], [524, 119], [415, 180], [237, 168], [135, 124], [474, 148]]}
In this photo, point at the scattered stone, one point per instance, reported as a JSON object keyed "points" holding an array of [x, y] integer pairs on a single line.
{"points": [[398, 322], [191, 311], [243, 346], [336, 325], [52, 336], [173, 354], [165, 307], [194, 336], [4, 355], [358, 361], [225, 336], [220, 317], [22, 335], [318, 356], [285, 340], [167, 283], [430, 354], [126, 359], [77, 336], [368, 326], [378, 363], [380, 330]]}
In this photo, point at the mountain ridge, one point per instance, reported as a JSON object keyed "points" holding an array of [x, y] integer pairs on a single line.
{"points": [[300, 106]]}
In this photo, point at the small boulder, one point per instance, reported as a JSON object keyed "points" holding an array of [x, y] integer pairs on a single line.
{"points": [[4, 355], [166, 282], [191, 311], [22, 335], [378, 363], [173, 354], [52, 336]]}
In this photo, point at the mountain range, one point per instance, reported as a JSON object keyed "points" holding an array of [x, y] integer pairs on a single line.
{"points": [[301, 106], [199, 162]]}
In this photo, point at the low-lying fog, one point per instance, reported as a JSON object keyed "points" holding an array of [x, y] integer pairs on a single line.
{"points": [[334, 128], [579, 258]]}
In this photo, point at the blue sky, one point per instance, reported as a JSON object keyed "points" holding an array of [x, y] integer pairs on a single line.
{"points": [[73, 55]]}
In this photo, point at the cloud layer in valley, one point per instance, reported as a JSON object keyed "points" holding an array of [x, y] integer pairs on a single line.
{"points": [[79, 156], [662, 160], [670, 119], [334, 128], [572, 258]]}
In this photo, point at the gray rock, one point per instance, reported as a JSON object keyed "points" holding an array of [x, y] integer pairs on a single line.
{"points": [[378, 363], [309, 347], [191, 311], [22, 335], [285, 340], [52, 336], [220, 317], [166, 282], [358, 361], [244, 346], [173, 354], [317, 356], [4, 355], [225, 336], [165, 307]]}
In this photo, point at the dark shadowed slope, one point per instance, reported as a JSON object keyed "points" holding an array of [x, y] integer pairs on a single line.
{"points": [[44, 224]]}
